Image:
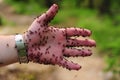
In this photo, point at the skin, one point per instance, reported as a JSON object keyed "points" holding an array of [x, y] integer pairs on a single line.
{"points": [[49, 45], [46, 44], [8, 52]]}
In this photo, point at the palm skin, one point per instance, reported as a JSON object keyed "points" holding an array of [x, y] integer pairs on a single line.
{"points": [[49, 45]]}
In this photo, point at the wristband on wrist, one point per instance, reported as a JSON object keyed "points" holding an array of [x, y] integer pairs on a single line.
{"points": [[20, 45]]}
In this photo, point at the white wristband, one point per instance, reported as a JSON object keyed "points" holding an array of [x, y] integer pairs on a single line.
{"points": [[20, 45]]}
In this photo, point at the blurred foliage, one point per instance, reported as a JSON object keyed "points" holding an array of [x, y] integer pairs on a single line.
{"points": [[1, 23], [26, 6], [100, 16], [4, 21]]}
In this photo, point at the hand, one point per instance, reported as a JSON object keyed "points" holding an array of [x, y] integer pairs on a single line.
{"points": [[49, 45]]}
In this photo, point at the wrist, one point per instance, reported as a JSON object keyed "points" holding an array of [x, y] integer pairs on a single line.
{"points": [[21, 48]]}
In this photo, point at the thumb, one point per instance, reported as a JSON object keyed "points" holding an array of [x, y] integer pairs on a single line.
{"points": [[45, 18], [39, 24], [42, 21]]}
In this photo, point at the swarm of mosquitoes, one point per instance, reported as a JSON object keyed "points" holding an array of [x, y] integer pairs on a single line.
{"points": [[50, 45]]}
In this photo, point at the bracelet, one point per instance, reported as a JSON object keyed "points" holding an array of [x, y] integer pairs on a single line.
{"points": [[20, 45]]}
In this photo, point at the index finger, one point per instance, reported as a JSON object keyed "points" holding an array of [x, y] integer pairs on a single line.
{"points": [[76, 32]]}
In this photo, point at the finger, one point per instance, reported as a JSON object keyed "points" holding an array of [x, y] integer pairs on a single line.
{"points": [[77, 32], [72, 52], [77, 42], [69, 64], [45, 18]]}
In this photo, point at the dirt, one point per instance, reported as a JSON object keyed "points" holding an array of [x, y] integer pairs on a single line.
{"points": [[91, 69]]}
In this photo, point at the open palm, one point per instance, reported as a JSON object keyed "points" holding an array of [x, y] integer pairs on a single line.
{"points": [[49, 45]]}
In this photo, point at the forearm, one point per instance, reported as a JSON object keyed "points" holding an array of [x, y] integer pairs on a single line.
{"points": [[8, 52]]}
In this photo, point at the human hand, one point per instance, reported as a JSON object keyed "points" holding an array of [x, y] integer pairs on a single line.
{"points": [[49, 45]]}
